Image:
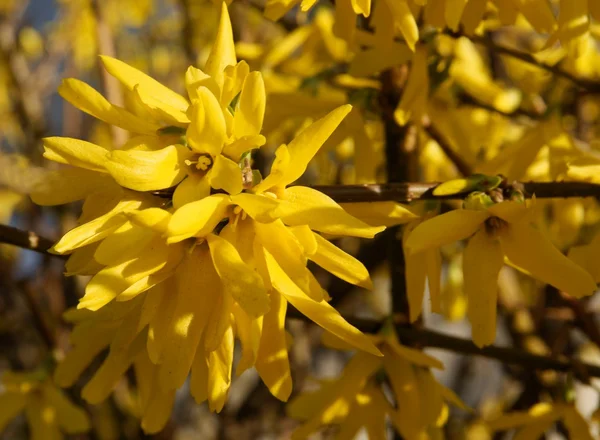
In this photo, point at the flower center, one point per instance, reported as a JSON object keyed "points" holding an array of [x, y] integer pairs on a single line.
{"points": [[202, 162], [494, 225]]}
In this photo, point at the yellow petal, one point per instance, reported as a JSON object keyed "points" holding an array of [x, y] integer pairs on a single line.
{"points": [[75, 152], [444, 229], [278, 170], [257, 206], [239, 279], [199, 379], [225, 174], [526, 247], [155, 219], [90, 232], [250, 110], [482, 261], [86, 99], [69, 185], [41, 418], [81, 355], [283, 245], [585, 256], [220, 317], [207, 131], [539, 14], [11, 404], [272, 363], [362, 7], [148, 170], [379, 58], [341, 264], [159, 109], [509, 211], [236, 148], [576, 425], [197, 218], [403, 380], [415, 274], [275, 9], [453, 12], [404, 21], [304, 146], [219, 372], [380, 213], [320, 313], [222, 53], [433, 263], [196, 78], [123, 244], [193, 188], [160, 320], [233, 81], [71, 418], [81, 261], [111, 370], [306, 238], [306, 206], [111, 281], [158, 410], [249, 332], [130, 77], [189, 318]]}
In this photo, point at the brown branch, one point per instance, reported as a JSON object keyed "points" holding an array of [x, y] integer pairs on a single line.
{"points": [[411, 191], [432, 339], [25, 239]]}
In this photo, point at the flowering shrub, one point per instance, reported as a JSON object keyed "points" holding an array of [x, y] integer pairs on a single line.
{"points": [[216, 205]]}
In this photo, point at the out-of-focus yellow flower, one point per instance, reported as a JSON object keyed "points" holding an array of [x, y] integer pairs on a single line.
{"points": [[50, 414], [539, 419], [495, 231], [356, 400]]}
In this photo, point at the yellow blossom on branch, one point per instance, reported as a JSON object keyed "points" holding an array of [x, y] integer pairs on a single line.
{"points": [[496, 231]]}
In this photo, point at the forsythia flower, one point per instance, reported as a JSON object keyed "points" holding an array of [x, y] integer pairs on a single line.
{"points": [[49, 412], [539, 419], [496, 231], [173, 285], [419, 408]]}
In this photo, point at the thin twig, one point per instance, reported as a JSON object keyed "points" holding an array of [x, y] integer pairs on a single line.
{"points": [[25, 239], [406, 192], [432, 339]]}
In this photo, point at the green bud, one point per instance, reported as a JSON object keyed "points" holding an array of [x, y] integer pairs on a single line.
{"points": [[478, 200]]}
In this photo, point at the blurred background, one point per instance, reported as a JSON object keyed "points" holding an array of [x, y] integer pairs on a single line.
{"points": [[308, 71]]}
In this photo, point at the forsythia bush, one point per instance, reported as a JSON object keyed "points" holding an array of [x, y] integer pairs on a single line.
{"points": [[186, 247]]}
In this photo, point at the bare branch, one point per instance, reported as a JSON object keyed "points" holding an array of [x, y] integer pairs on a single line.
{"points": [[25, 239]]}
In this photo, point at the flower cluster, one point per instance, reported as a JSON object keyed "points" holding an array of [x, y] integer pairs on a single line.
{"points": [[174, 281], [49, 412], [356, 400]]}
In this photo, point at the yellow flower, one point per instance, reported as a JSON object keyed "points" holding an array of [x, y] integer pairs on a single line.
{"points": [[221, 120], [270, 230], [496, 231], [49, 412], [539, 419], [357, 400]]}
